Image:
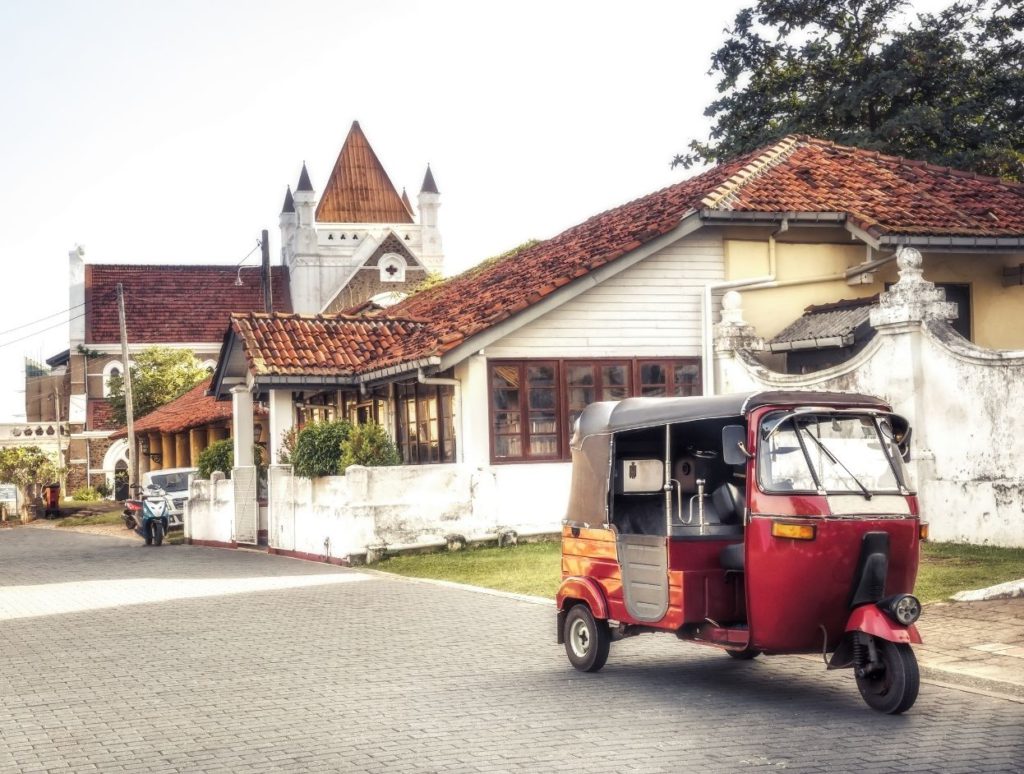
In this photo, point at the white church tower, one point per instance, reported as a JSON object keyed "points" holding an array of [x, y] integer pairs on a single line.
{"points": [[360, 240]]}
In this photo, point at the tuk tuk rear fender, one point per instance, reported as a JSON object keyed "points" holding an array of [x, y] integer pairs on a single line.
{"points": [[574, 591], [871, 620]]}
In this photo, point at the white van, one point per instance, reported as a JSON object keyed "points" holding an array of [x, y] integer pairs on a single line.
{"points": [[174, 481]]}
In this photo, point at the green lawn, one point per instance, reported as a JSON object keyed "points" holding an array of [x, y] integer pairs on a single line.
{"points": [[82, 514], [534, 568]]}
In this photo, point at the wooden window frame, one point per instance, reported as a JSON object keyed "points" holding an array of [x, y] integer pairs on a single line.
{"points": [[562, 410], [407, 429]]}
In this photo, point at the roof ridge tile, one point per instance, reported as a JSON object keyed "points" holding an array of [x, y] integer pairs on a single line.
{"points": [[726, 192]]}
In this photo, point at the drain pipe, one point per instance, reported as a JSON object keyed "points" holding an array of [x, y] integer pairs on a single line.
{"points": [[707, 343], [763, 283], [457, 408]]}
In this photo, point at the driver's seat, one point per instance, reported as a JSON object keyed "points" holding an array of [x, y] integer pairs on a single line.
{"points": [[729, 502]]}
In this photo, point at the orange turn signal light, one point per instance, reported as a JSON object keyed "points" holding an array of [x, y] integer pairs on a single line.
{"points": [[922, 531], [795, 531]]}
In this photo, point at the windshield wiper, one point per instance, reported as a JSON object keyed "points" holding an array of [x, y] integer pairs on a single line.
{"points": [[834, 459]]}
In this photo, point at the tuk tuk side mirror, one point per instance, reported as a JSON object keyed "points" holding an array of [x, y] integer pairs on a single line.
{"points": [[734, 445], [903, 444]]}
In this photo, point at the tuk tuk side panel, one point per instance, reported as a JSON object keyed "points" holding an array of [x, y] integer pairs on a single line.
{"points": [[591, 553], [705, 590], [794, 587]]}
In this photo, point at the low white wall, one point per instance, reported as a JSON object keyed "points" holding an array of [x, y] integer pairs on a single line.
{"points": [[210, 511], [966, 405], [406, 506], [532, 498]]}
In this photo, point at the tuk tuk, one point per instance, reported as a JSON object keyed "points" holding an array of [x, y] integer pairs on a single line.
{"points": [[770, 522]]}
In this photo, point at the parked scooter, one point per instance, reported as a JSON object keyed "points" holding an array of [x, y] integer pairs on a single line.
{"points": [[148, 516]]}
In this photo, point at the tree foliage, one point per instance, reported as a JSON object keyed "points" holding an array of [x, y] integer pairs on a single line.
{"points": [[25, 466], [159, 375], [944, 87]]}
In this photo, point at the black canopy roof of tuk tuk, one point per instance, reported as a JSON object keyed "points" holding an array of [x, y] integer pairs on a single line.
{"points": [[631, 413]]}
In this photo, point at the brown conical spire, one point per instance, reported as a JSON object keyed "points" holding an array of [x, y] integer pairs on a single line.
{"points": [[405, 201], [359, 190]]}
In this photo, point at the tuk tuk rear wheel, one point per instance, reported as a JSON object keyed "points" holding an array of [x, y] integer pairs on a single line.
{"points": [[744, 655], [894, 688], [587, 640]]}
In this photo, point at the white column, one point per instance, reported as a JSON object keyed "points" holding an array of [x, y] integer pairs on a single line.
{"points": [[475, 427], [241, 425], [282, 419]]}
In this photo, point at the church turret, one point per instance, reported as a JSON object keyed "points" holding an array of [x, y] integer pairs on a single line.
{"points": [[305, 199], [429, 202], [288, 221]]}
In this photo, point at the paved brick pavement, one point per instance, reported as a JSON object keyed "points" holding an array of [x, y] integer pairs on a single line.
{"points": [[297, 670]]}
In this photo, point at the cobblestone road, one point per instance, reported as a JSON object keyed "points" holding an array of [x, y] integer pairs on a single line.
{"points": [[117, 658]]}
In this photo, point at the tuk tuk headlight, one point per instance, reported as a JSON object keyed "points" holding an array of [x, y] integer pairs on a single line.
{"points": [[904, 609]]}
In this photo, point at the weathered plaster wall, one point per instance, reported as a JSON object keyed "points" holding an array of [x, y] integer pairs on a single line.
{"points": [[966, 405], [210, 511]]}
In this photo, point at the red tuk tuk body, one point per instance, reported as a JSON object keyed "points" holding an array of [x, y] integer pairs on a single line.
{"points": [[773, 522]]}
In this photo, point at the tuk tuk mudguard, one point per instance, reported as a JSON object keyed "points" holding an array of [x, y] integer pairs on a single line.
{"points": [[871, 620], [576, 590]]}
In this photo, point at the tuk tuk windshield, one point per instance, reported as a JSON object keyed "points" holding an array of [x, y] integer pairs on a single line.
{"points": [[837, 453]]}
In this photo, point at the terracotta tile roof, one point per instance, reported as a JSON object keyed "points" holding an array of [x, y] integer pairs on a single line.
{"points": [[799, 174], [359, 190], [825, 325], [192, 409], [326, 345], [885, 195], [173, 304], [495, 290]]}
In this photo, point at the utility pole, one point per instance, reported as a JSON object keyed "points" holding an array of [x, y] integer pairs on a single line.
{"points": [[133, 459], [268, 291], [60, 445]]}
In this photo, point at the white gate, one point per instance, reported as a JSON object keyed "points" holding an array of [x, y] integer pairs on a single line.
{"points": [[282, 507], [247, 509]]}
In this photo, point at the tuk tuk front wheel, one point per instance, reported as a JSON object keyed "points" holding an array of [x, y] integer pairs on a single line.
{"points": [[587, 640], [893, 689]]}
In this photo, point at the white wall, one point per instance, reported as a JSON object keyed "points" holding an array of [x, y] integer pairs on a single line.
{"points": [[966, 405], [210, 511], [651, 309]]}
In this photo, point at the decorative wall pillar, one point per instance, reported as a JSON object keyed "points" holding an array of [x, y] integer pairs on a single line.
{"points": [[902, 313], [731, 336], [241, 428]]}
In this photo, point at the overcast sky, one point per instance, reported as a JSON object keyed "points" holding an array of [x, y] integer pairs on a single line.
{"points": [[166, 132]]}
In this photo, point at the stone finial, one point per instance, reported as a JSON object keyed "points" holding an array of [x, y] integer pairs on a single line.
{"points": [[913, 299], [733, 332]]}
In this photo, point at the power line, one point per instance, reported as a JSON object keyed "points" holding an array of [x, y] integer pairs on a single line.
{"points": [[41, 330], [104, 297]]}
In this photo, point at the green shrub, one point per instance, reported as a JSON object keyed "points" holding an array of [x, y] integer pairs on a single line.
{"points": [[219, 455], [369, 445], [86, 494], [104, 490], [318, 449]]}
